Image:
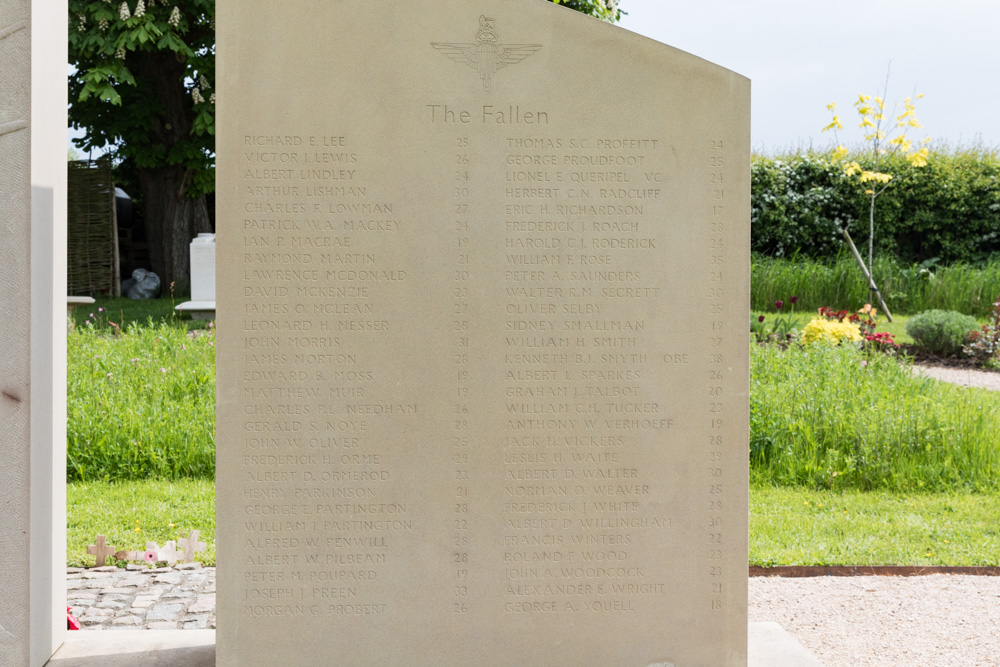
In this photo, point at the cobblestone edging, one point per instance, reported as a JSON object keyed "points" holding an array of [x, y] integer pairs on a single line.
{"points": [[181, 597]]}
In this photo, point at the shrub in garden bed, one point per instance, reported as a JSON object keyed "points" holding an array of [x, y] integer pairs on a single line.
{"points": [[942, 332], [984, 345], [140, 403], [837, 417]]}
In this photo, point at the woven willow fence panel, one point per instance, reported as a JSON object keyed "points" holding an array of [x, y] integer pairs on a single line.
{"points": [[92, 230]]}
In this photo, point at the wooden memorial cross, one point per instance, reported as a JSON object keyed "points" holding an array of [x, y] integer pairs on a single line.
{"points": [[168, 552], [190, 545], [100, 550]]}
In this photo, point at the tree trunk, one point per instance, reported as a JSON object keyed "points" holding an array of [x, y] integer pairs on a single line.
{"points": [[172, 218]]}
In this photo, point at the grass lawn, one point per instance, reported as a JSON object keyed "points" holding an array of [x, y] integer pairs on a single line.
{"points": [[793, 526], [124, 311], [788, 526], [161, 511]]}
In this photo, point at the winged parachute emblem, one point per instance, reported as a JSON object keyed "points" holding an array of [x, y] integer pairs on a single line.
{"points": [[487, 56]]}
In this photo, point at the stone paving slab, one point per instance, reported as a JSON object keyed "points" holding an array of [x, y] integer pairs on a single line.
{"points": [[171, 598]]}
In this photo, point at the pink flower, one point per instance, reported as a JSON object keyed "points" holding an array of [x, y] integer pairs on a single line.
{"points": [[163, 370]]}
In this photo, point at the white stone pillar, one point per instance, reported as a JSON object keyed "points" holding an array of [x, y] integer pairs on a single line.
{"points": [[33, 56]]}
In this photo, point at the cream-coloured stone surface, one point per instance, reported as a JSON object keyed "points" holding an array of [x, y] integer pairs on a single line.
{"points": [[482, 373], [15, 295], [32, 330]]}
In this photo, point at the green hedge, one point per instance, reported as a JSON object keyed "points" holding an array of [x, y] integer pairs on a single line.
{"points": [[949, 209]]}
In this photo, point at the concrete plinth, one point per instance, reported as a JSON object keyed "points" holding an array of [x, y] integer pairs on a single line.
{"points": [[127, 648], [200, 310], [769, 646]]}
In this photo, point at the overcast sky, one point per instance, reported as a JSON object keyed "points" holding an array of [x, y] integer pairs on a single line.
{"points": [[801, 55]]}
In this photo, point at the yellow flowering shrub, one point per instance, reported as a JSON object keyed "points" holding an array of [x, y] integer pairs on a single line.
{"points": [[884, 136], [822, 330]]}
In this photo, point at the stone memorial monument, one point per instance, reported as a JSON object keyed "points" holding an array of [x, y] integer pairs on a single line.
{"points": [[483, 361], [33, 56]]}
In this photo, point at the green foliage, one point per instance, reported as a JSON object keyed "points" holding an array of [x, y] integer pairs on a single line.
{"points": [[949, 209], [140, 404], [942, 332], [128, 56], [836, 418], [796, 526], [143, 82], [606, 10], [907, 288], [161, 510], [984, 344]]}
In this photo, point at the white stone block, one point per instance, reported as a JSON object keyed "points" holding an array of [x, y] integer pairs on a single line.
{"points": [[203, 268]]}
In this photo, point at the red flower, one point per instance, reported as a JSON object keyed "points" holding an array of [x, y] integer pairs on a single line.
{"points": [[793, 300], [760, 319], [778, 304]]}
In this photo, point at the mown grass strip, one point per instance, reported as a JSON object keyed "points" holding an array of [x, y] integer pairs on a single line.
{"points": [[127, 312], [794, 526], [788, 526], [161, 510]]}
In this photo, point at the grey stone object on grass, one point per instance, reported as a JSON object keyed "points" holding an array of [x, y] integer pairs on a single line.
{"points": [[142, 285]]}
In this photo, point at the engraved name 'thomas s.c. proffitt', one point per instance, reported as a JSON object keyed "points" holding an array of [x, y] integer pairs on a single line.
{"points": [[482, 385]]}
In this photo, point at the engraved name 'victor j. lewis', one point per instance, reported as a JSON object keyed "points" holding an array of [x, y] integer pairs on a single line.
{"points": [[487, 56]]}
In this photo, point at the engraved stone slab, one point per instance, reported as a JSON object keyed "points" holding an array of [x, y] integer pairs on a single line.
{"points": [[482, 297]]}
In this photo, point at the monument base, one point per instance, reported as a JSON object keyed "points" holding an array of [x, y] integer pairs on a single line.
{"points": [[770, 646], [200, 310], [127, 648]]}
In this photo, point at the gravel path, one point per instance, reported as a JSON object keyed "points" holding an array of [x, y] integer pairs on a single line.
{"points": [[965, 377], [940, 620]]}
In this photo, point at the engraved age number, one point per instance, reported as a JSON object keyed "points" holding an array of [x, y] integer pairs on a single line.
{"points": [[714, 534], [459, 352]]}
